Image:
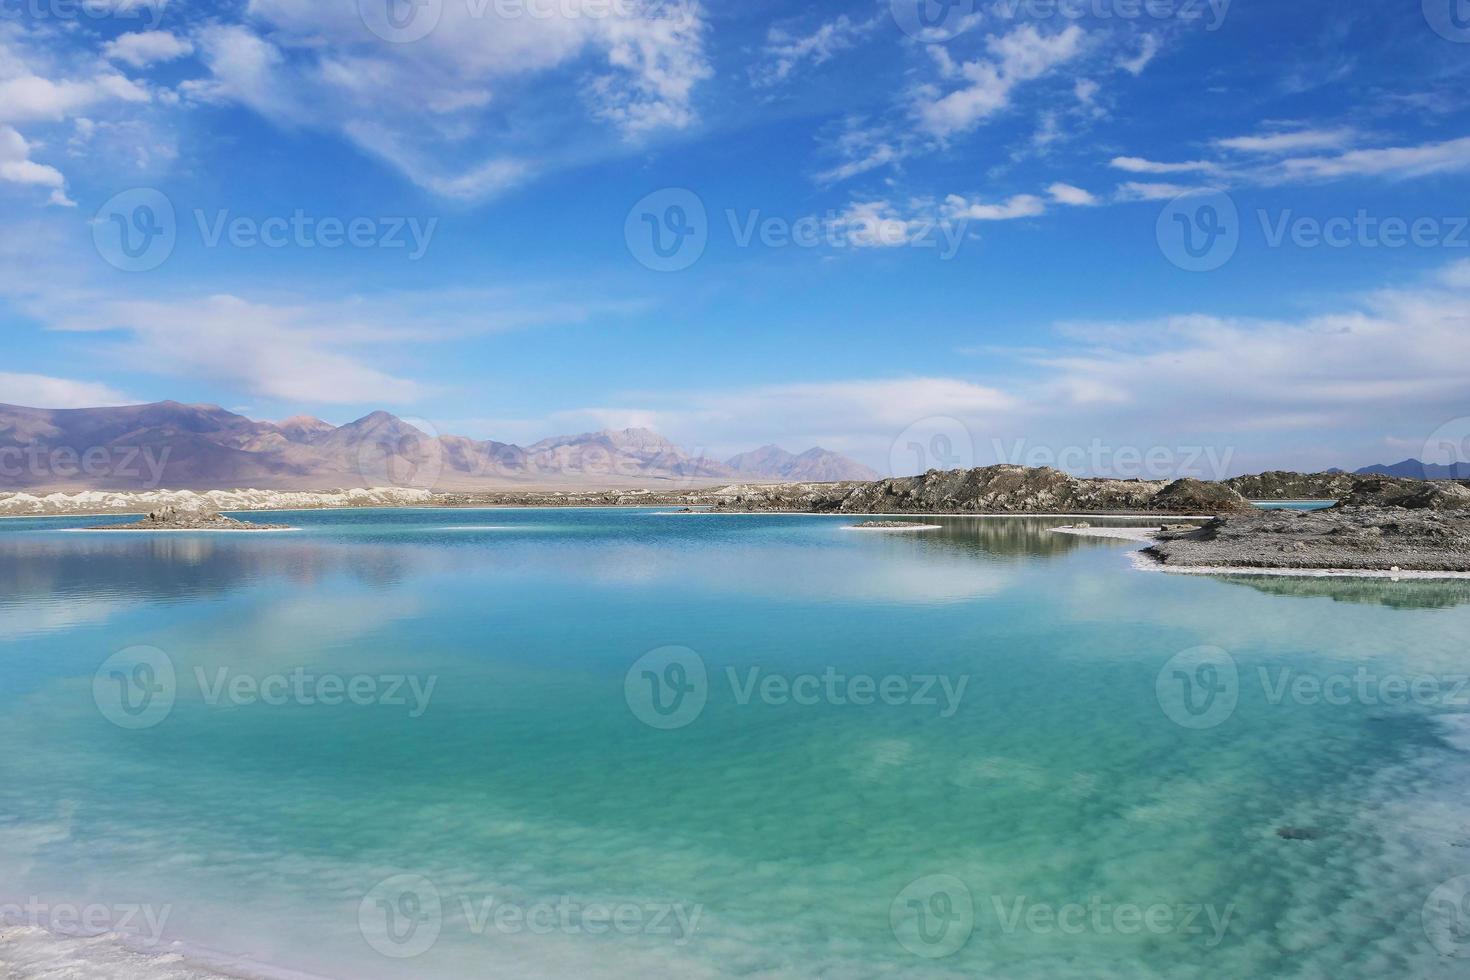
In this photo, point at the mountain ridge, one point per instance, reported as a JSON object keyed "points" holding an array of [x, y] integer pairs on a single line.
{"points": [[1414, 469], [200, 447]]}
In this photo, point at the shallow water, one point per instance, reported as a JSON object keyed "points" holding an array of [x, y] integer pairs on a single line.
{"points": [[550, 789]]}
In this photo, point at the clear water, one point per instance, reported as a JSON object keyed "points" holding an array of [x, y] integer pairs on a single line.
{"points": [[1294, 504], [794, 839]]}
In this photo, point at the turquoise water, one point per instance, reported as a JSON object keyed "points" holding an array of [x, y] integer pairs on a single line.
{"points": [[1294, 504], [564, 796]]}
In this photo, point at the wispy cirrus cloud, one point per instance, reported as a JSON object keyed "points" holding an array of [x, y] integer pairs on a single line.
{"points": [[532, 89], [1271, 158], [986, 85], [787, 49]]}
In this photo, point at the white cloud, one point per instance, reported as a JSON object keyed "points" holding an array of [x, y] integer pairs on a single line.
{"points": [[40, 391], [1451, 156], [1019, 206], [1138, 165], [145, 48], [861, 417], [784, 51], [1394, 163], [878, 224], [29, 94], [17, 167], [482, 101], [659, 61], [1148, 49], [30, 98], [1287, 142], [274, 351], [1269, 392], [1023, 55], [1391, 354], [1068, 194]]}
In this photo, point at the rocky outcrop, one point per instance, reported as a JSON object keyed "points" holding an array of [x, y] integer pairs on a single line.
{"points": [[1358, 538], [1284, 485], [997, 490], [894, 526], [1380, 492], [1198, 497], [189, 519]]}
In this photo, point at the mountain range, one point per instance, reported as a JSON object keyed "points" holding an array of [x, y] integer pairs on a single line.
{"points": [[1413, 469], [201, 447]]}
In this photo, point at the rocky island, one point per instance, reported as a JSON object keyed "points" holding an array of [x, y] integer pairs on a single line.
{"points": [[894, 526], [177, 519]]}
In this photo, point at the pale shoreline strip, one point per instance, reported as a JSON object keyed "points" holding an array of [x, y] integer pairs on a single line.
{"points": [[1146, 563]]}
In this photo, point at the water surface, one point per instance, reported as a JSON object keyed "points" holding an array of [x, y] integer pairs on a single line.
{"points": [[548, 774]]}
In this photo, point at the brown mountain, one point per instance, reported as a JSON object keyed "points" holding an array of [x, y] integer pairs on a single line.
{"points": [[199, 447], [816, 465]]}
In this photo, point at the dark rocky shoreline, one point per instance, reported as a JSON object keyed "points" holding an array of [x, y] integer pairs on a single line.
{"points": [[1382, 525], [1381, 539]]}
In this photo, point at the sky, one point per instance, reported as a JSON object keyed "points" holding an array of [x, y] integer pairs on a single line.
{"points": [[1126, 237]]}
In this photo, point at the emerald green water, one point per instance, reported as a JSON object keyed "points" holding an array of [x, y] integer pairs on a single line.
{"points": [[779, 837]]}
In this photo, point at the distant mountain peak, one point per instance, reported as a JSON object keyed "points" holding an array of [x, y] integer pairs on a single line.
{"points": [[816, 465]]}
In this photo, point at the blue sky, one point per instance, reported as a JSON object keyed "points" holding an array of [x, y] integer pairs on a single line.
{"points": [[1017, 230]]}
